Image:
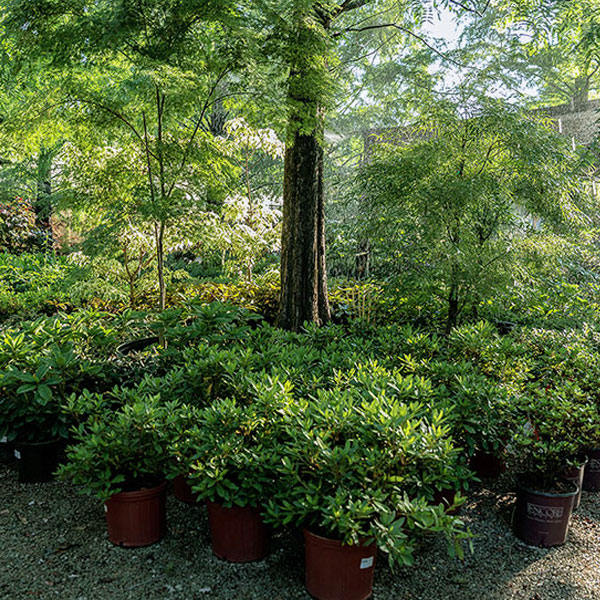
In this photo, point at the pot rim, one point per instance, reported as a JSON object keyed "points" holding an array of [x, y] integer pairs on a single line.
{"points": [[247, 508], [529, 490], [46, 443], [130, 345], [308, 532], [134, 495]]}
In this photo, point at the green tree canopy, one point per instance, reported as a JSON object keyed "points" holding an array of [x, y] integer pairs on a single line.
{"points": [[449, 196]]}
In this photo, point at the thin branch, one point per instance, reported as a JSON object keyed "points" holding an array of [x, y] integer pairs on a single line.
{"points": [[590, 75], [567, 90], [469, 8], [148, 160], [486, 158], [115, 114], [347, 6], [207, 104], [407, 31], [160, 107], [484, 266], [359, 58], [372, 17], [126, 261]]}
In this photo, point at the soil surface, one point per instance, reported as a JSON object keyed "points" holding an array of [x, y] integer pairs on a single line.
{"points": [[53, 544]]}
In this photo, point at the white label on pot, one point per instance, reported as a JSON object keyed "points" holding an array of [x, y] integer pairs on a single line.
{"points": [[3, 439], [594, 465], [17, 455], [544, 513], [367, 563], [105, 508]]}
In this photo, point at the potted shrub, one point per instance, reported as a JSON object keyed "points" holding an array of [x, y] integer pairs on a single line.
{"points": [[351, 475], [179, 450], [590, 481], [478, 413], [31, 411], [575, 472], [120, 457], [566, 361], [233, 452], [478, 410], [591, 475], [550, 439], [441, 482]]}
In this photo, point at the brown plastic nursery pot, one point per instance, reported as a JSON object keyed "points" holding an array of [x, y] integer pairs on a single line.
{"points": [[183, 490], [37, 461], [542, 518], [137, 518], [575, 474], [591, 475], [335, 571], [238, 534], [486, 465]]}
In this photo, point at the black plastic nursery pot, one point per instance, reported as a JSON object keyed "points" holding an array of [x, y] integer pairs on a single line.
{"points": [[335, 571], [137, 518], [137, 345], [446, 498], [505, 327], [575, 474], [7, 451], [237, 534], [37, 461], [591, 474], [487, 465], [542, 518]]}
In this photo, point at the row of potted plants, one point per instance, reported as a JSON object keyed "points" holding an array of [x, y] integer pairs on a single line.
{"points": [[356, 475], [45, 362], [363, 465], [376, 454]]}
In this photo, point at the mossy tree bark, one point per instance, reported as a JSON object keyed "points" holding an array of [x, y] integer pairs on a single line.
{"points": [[303, 270]]}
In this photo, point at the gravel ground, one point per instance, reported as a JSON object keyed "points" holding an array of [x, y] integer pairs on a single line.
{"points": [[53, 544]]}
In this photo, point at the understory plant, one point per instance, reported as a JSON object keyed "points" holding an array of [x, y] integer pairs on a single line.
{"points": [[449, 197], [33, 392], [371, 379], [478, 409]]}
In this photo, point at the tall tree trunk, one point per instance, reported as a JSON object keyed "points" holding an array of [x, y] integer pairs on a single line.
{"points": [[453, 308], [159, 233], [303, 271], [43, 206], [581, 93]]}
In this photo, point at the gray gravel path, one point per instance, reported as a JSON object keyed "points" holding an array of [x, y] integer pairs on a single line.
{"points": [[53, 544]]}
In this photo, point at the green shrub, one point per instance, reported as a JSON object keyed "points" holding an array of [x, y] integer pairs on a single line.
{"points": [[356, 469], [261, 296], [550, 432], [32, 393], [124, 449], [234, 451], [18, 229]]}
